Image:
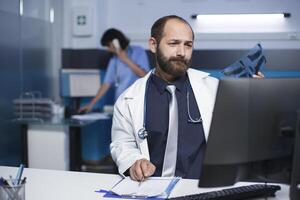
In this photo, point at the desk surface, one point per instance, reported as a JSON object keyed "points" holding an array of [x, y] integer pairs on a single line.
{"points": [[54, 121], [65, 185], [59, 120]]}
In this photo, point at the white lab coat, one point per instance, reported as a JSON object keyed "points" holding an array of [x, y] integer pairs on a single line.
{"points": [[126, 146]]}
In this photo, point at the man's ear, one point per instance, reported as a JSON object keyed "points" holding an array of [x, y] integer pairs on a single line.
{"points": [[152, 44]]}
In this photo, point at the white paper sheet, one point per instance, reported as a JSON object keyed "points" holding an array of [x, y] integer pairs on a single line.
{"points": [[91, 116], [151, 187]]}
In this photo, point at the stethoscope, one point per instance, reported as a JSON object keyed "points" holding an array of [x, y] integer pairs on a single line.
{"points": [[143, 133]]}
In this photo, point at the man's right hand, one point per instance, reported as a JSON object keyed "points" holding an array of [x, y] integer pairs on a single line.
{"points": [[141, 169]]}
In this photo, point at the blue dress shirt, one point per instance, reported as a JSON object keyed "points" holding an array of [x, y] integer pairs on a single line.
{"points": [[120, 75], [191, 139]]}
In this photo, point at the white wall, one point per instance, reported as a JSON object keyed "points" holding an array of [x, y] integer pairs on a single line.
{"points": [[99, 11], [135, 18]]}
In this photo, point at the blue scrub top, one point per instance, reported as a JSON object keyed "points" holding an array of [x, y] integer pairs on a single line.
{"points": [[120, 75]]}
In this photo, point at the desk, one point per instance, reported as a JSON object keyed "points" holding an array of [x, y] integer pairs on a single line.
{"points": [[53, 143], [65, 185]]}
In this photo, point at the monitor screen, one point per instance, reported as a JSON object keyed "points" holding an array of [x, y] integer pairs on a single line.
{"points": [[252, 131], [79, 82]]}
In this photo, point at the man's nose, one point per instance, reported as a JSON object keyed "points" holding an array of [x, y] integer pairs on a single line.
{"points": [[181, 51]]}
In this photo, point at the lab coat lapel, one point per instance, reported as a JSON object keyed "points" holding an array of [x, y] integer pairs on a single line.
{"points": [[136, 107], [202, 96]]}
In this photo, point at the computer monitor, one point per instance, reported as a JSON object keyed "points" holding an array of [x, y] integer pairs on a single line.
{"points": [[79, 82], [295, 179], [252, 131]]}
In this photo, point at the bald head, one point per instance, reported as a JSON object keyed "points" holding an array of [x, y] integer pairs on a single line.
{"points": [[158, 28]]}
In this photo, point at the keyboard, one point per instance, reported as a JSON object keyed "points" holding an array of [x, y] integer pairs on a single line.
{"points": [[237, 193]]}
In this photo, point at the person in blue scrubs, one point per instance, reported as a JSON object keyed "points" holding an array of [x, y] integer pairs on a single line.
{"points": [[128, 63]]}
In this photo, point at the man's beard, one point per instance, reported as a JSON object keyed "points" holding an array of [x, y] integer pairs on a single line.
{"points": [[175, 66]]}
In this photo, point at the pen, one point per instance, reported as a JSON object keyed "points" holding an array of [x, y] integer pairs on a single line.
{"points": [[140, 183], [13, 191], [19, 175], [3, 181], [23, 181], [11, 180]]}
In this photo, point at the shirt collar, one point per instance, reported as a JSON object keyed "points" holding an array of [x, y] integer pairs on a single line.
{"points": [[161, 84]]}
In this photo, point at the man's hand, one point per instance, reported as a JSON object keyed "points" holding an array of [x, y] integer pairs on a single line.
{"points": [[141, 169]]}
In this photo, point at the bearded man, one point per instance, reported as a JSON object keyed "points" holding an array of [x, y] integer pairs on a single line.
{"points": [[161, 123]]}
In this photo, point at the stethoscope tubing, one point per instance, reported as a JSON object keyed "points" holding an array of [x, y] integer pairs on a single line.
{"points": [[143, 133]]}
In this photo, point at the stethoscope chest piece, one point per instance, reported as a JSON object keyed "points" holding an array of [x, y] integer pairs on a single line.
{"points": [[142, 133]]}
